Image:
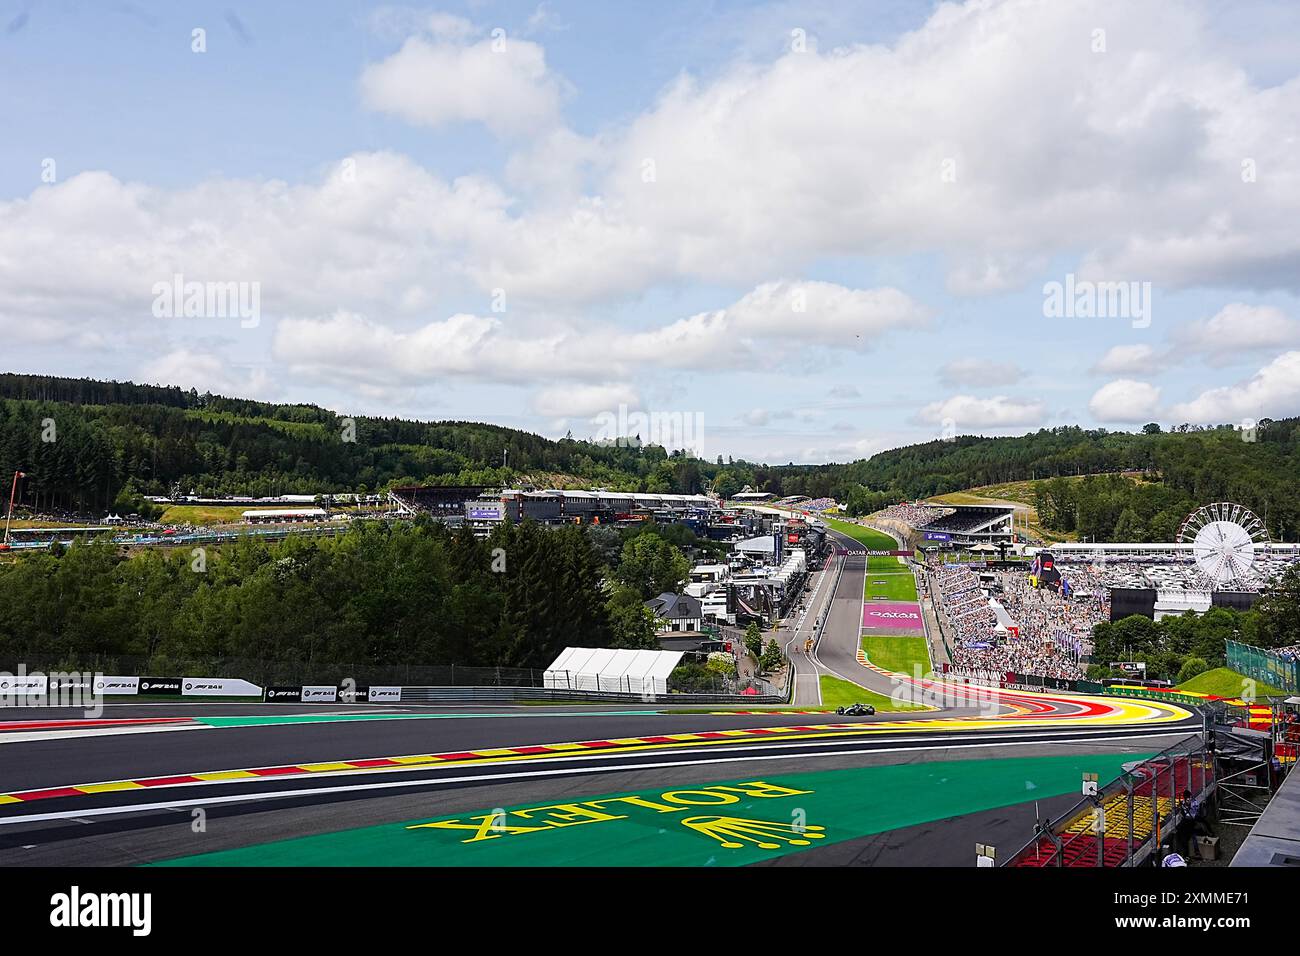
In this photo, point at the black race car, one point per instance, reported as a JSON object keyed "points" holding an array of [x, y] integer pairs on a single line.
{"points": [[856, 710]]}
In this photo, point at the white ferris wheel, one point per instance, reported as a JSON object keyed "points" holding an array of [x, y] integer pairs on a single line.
{"points": [[1226, 540]]}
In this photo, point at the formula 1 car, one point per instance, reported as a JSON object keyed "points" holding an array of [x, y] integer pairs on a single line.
{"points": [[856, 710]]}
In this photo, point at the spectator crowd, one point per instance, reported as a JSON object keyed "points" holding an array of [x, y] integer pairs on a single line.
{"points": [[915, 516], [1049, 630]]}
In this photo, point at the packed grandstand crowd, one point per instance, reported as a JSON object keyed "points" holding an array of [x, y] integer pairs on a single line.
{"points": [[1046, 632], [916, 516], [958, 523]]}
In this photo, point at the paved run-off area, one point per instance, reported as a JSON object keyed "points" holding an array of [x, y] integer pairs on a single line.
{"points": [[727, 823]]}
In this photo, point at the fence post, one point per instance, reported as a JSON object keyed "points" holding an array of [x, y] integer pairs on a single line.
{"points": [[1128, 789], [1155, 804], [1101, 833]]}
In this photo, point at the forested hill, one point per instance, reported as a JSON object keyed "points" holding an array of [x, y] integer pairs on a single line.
{"points": [[1185, 467], [114, 441], [91, 445]]}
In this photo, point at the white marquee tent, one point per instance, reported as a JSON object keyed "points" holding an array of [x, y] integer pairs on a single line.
{"points": [[602, 668]]}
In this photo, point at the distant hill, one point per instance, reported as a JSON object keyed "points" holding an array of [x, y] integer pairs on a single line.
{"points": [[1021, 495], [117, 440], [1083, 481], [90, 445]]}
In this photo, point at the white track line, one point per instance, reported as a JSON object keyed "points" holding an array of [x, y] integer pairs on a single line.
{"points": [[66, 733]]}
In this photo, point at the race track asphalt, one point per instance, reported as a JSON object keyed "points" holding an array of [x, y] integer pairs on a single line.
{"points": [[165, 833]]}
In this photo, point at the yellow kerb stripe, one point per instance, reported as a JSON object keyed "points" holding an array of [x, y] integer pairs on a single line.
{"points": [[110, 787], [320, 767], [225, 775]]}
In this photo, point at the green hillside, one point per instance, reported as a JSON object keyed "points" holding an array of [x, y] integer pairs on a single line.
{"points": [[117, 441]]}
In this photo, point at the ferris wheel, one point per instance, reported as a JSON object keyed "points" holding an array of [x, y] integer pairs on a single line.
{"points": [[1226, 539]]}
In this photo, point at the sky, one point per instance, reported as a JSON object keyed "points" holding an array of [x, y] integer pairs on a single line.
{"points": [[777, 231]]}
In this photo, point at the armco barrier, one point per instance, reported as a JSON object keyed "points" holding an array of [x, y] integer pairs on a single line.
{"points": [[440, 683], [266, 673], [430, 695]]}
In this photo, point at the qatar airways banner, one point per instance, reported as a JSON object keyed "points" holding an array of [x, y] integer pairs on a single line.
{"points": [[893, 616]]}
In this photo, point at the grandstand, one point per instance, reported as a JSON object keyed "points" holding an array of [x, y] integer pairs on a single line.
{"points": [[960, 525], [1158, 580], [996, 622], [1128, 818], [819, 505], [441, 501], [974, 524], [481, 508]]}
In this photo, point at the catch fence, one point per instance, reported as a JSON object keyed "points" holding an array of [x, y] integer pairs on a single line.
{"points": [[1264, 666], [1125, 821]]}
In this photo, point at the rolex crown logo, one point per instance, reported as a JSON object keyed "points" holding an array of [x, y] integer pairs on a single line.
{"points": [[766, 834]]}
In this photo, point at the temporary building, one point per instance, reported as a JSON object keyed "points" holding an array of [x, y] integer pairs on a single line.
{"points": [[606, 669]]}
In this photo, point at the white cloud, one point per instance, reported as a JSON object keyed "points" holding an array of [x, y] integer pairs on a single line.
{"points": [[353, 347], [967, 412], [1143, 145], [585, 401], [1127, 360], [376, 234], [1125, 400], [1238, 331], [978, 372], [800, 313], [1129, 148], [356, 348], [1272, 392], [442, 77], [207, 372]]}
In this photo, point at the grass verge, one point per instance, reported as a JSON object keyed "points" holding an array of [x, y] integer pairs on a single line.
{"points": [[901, 654], [1222, 682], [841, 693], [892, 585]]}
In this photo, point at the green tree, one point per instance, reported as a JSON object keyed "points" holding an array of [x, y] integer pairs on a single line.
{"points": [[632, 624], [1279, 611], [1191, 667], [772, 656], [652, 566]]}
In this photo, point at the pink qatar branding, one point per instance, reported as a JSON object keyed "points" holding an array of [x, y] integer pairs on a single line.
{"points": [[893, 615]]}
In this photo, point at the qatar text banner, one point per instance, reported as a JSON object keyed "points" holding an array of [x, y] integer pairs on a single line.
{"points": [[893, 616]]}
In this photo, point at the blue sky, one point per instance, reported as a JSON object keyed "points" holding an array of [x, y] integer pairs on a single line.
{"points": [[822, 229]]}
